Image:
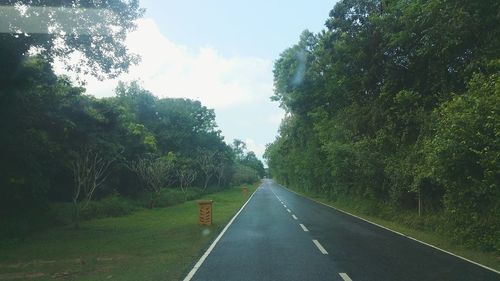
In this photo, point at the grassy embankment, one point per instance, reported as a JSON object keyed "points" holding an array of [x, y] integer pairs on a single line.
{"points": [[421, 230], [158, 244]]}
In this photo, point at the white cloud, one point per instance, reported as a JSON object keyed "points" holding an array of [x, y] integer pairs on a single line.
{"points": [[238, 88], [275, 118], [171, 70], [258, 148]]}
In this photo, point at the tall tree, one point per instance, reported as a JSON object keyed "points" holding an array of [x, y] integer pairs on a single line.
{"points": [[92, 33]]}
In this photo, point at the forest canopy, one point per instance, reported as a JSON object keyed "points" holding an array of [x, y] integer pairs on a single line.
{"points": [[396, 103]]}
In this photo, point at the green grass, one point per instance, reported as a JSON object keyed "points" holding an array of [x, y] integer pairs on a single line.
{"points": [[158, 244], [489, 259], [114, 205]]}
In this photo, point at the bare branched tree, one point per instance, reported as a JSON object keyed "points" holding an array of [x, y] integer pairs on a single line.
{"points": [[90, 170], [155, 174], [186, 178], [206, 161]]}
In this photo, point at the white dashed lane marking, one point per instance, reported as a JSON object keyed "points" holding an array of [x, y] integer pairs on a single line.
{"points": [[345, 276], [321, 249]]}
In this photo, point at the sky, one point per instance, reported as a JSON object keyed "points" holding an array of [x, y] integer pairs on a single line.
{"points": [[220, 52]]}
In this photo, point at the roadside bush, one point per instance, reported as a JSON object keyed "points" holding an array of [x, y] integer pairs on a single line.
{"points": [[194, 193], [60, 214], [169, 197], [112, 206]]}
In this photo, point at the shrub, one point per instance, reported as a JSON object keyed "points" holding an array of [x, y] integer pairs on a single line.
{"points": [[112, 206]]}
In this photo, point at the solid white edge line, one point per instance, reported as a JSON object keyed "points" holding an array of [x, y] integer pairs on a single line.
{"points": [[304, 228], [212, 246], [394, 231], [321, 249], [345, 276], [294, 217]]}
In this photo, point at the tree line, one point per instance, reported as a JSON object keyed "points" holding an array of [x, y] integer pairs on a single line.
{"points": [[59, 143], [397, 103]]}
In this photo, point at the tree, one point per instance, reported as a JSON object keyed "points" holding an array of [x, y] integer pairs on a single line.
{"points": [[90, 170], [206, 162], [92, 32], [186, 178], [220, 169], [154, 173], [48, 120], [380, 92], [239, 147], [243, 175], [253, 162], [247, 159], [464, 156]]}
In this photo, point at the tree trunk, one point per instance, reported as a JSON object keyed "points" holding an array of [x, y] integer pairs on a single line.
{"points": [[76, 214], [152, 200], [207, 179]]}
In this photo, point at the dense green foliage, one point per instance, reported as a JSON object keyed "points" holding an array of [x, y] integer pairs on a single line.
{"points": [[47, 124], [397, 103]]}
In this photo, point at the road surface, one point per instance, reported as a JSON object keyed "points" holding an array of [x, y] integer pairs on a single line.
{"points": [[280, 235]]}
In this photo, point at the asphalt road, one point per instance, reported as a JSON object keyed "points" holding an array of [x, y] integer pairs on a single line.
{"points": [[280, 235]]}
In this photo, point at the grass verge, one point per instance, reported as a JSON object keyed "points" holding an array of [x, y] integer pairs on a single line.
{"points": [[488, 259], [158, 244]]}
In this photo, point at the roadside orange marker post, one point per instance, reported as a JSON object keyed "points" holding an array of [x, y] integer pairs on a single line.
{"points": [[205, 209], [245, 191]]}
